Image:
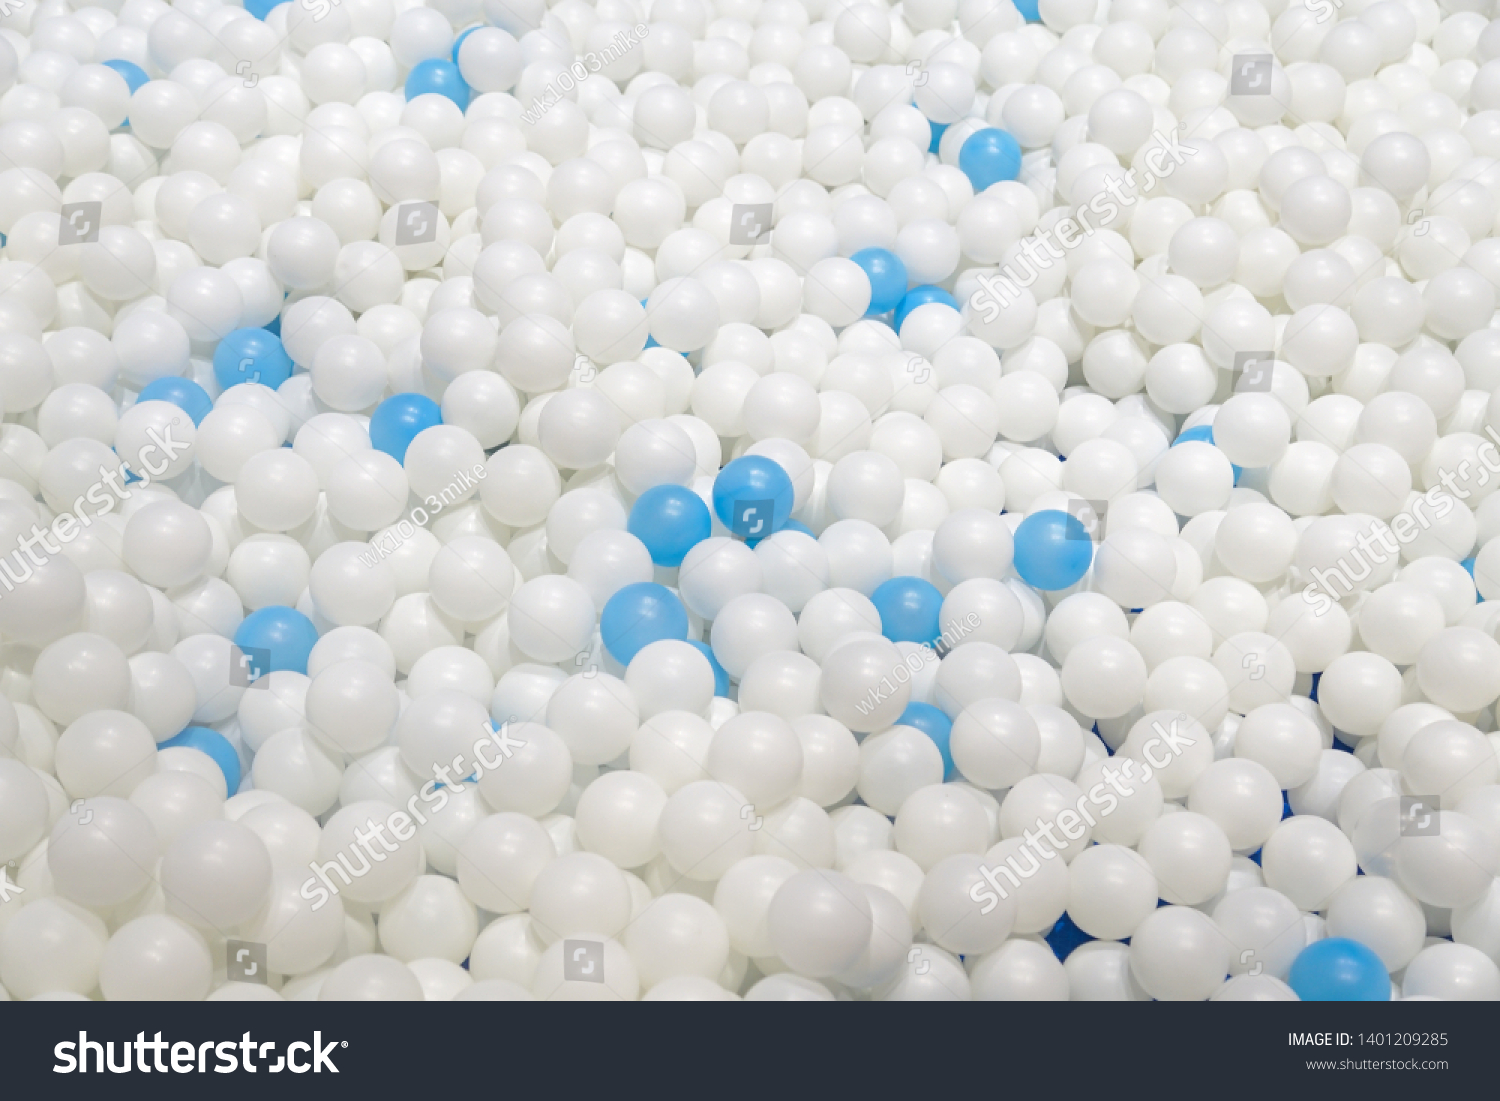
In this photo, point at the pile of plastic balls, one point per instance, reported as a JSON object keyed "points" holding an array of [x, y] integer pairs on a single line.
{"points": [[765, 499]]}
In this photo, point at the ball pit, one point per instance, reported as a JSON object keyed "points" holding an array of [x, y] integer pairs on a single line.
{"points": [[750, 499]]}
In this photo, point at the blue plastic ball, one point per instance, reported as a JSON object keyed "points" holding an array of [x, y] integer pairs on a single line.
{"points": [[1338, 969], [639, 615], [1065, 937], [753, 496], [938, 130], [134, 76], [908, 608], [887, 276], [459, 41], [442, 77], [989, 156], [216, 746], [184, 393], [721, 678], [936, 725], [1029, 9], [798, 525], [1052, 550], [251, 355], [670, 520], [1204, 433], [283, 636], [397, 420], [920, 296], [262, 8], [1200, 432]]}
